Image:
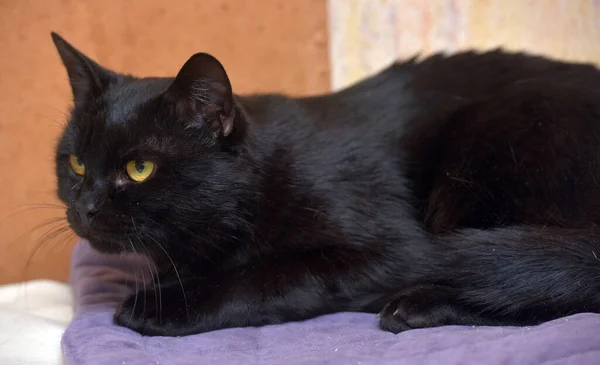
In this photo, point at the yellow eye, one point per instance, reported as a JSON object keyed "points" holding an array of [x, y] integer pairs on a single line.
{"points": [[76, 164], [139, 170]]}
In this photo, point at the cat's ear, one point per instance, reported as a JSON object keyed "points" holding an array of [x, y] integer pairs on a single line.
{"points": [[202, 94], [87, 78]]}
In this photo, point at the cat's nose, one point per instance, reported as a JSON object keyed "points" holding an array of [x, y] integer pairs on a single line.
{"points": [[88, 208]]}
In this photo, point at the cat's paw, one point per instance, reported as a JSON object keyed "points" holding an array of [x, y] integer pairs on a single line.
{"points": [[152, 314], [420, 307]]}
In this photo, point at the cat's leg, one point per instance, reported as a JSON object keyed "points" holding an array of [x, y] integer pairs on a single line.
{"points": [[279, 289], [528, 160], [508, 276], [422, 306]]}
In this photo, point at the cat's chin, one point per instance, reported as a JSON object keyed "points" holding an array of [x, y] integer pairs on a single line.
{"points": [[106, 246]]}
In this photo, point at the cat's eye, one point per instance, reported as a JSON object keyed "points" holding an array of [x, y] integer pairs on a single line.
{"points": [[140, 170], [76, 165]]}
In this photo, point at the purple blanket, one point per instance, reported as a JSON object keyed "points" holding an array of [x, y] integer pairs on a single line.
{"points": [[101, 282]]}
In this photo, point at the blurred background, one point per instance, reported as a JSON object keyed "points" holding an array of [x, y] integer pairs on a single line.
{"points": [[298, 47]]}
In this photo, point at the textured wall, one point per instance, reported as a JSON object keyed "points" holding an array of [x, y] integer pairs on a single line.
{"points": [[366, 35], [266, 45]]}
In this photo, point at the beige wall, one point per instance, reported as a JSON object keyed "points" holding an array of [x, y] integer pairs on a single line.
{"points": [[265, 45], [368, 34]]}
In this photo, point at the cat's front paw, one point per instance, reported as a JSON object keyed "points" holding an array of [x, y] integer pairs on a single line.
{"points": [[154, 314]]}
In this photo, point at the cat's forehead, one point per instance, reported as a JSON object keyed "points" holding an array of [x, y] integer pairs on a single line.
{"points": [[124, 101], [122, 119]]}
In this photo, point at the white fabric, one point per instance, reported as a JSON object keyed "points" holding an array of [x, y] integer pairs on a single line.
{"points": [[33, 317]]}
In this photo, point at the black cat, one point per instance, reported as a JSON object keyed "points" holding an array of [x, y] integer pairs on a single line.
{"points": [[458, 189]]}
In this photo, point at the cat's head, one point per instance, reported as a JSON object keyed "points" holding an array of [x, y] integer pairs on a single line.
{"points": [[149, 161]]}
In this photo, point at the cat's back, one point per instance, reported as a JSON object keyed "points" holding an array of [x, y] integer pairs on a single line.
{"points": [[387, 100], [415, 100], [367, 150], [476, 75], [522, 142]]}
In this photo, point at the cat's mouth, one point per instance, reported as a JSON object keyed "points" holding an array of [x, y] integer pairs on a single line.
{"points": [[103, 243], [110, 240], [112, 235]]}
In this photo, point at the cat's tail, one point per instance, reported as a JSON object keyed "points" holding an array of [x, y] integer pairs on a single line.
{"points": [[518, 268], [513, 275]]}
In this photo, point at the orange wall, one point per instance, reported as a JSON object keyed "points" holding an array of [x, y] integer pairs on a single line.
{"points": [[266, 45]]}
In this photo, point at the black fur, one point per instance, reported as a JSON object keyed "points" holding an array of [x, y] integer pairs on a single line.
{"points": [[454, 190]]}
